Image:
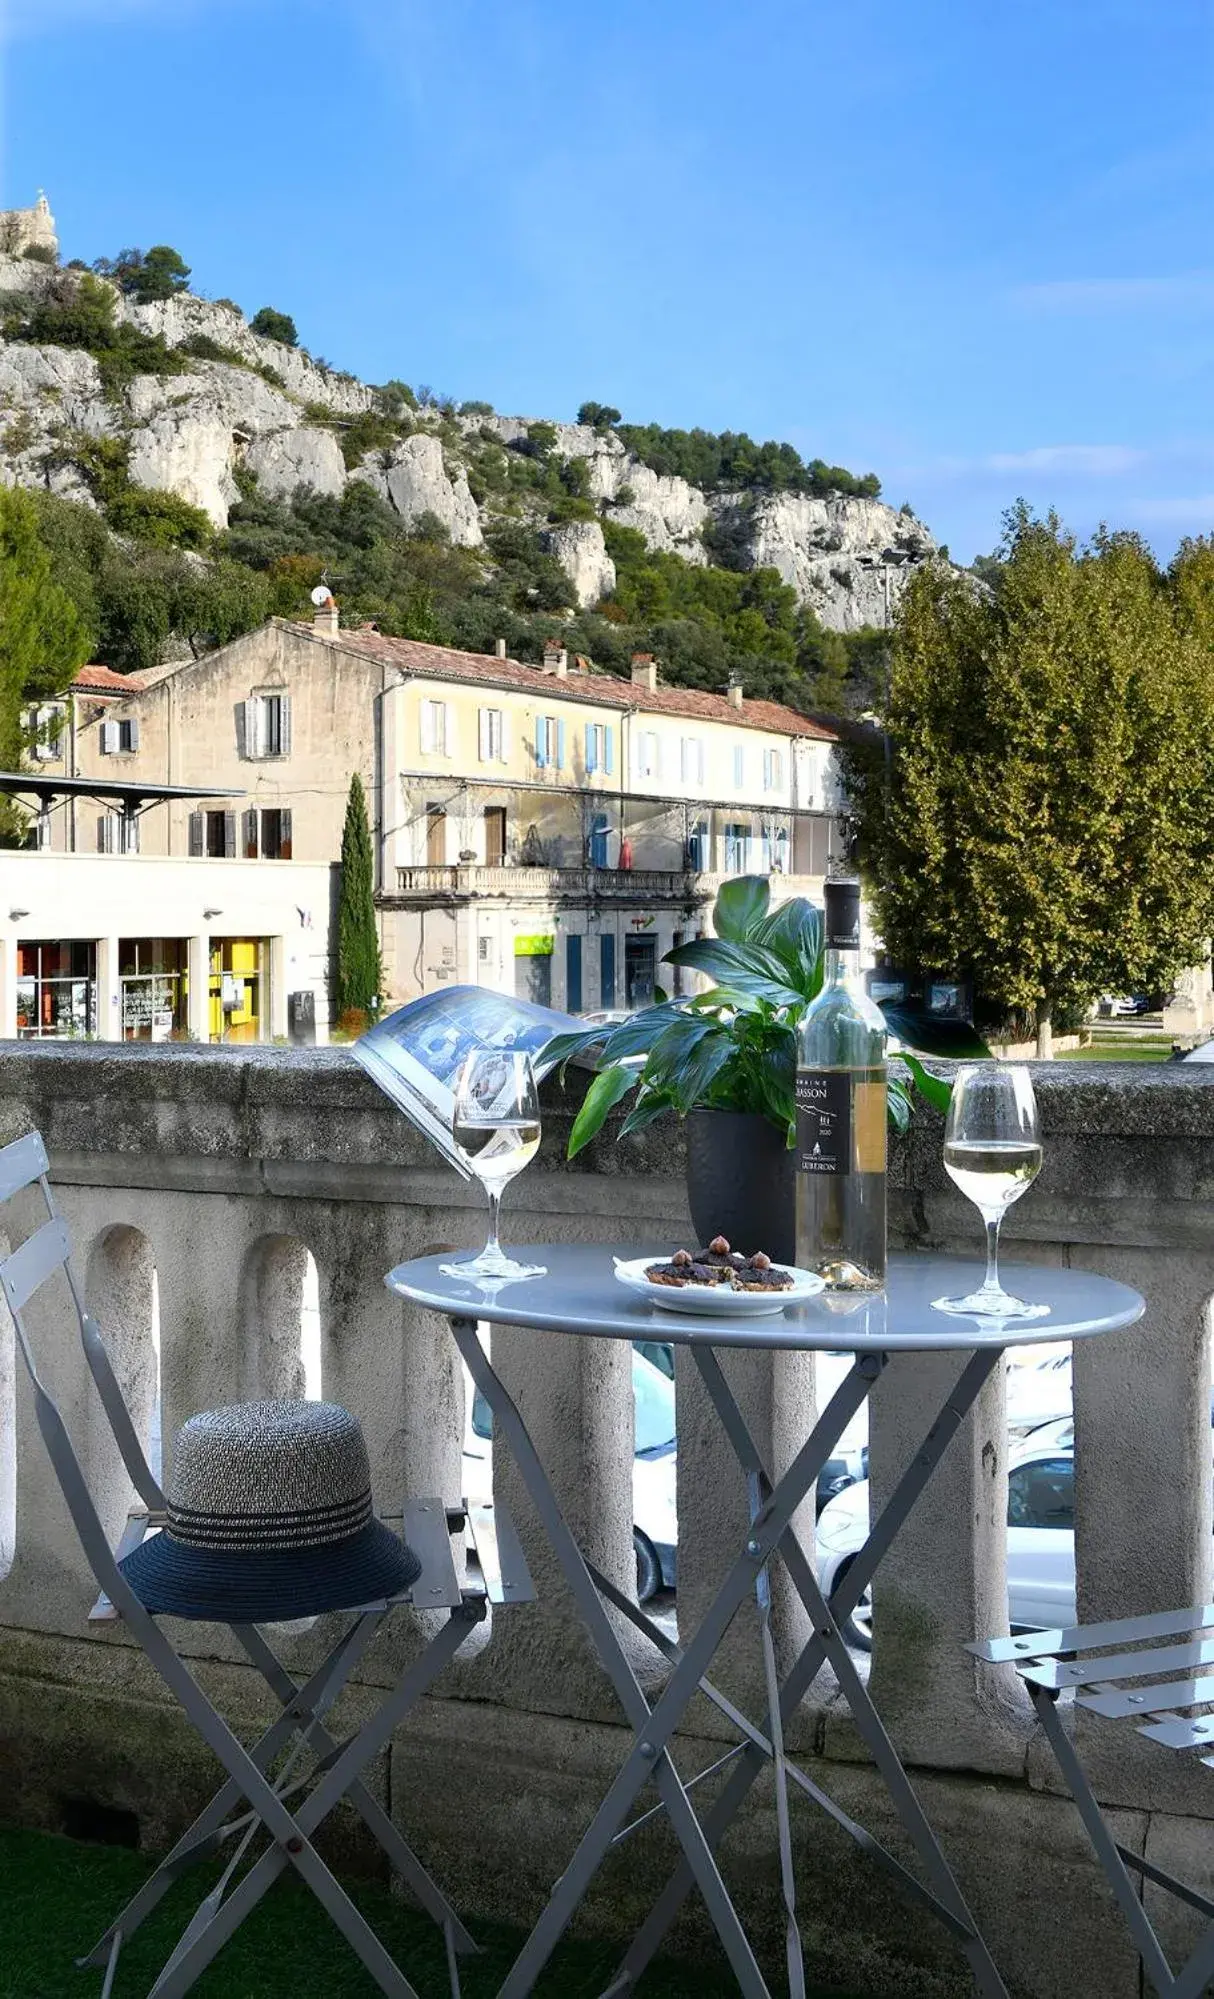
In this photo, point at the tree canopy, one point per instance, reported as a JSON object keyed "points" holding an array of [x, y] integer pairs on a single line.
{"points": [[274, 325], [1045, 821], [359, 972], [147, 275], [43, 637]]}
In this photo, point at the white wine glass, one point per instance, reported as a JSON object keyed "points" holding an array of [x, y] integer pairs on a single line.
{"points": [[992, 1152], [496, 1128]]}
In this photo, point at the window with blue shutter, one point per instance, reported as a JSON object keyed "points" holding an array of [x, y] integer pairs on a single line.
{"points": [[560, 746], [607, 970], [541, 739], [739, 765], [608, 750], [573, 974], [592, 749]]}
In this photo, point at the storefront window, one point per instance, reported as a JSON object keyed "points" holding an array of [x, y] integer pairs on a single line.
{"points": [[238, 1006], [154, 983], [56, 989]]}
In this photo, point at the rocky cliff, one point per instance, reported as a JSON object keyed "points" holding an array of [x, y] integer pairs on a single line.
{"points": [[270, 410]]}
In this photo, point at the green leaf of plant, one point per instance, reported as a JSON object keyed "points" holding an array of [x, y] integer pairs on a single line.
{"points": [[690, 1085], [604, 1093], [740, 905], [794, 932], [563, 1047], [743, 968], [932, 1035], [934, 1088], [650, 1105], [636, 1035], [674, 1048], [898, 1104]]}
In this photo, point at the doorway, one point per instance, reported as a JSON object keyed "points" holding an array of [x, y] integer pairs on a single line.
{"points": [[533, 977], [436, 836], [495, 836], [640, 956]]}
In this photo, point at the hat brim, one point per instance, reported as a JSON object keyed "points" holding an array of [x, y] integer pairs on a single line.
{"points": [[269, 1585]]}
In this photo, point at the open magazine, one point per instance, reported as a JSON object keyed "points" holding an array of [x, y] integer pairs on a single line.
{"points": [[416, 1054]]}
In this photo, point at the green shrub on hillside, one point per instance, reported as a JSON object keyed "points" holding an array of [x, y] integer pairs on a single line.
{"points": [[273, 325], [147, 276], [733, 460], [160, 518]]}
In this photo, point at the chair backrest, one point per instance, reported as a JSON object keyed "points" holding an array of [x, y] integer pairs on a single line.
{"points": [[48, 1250]]}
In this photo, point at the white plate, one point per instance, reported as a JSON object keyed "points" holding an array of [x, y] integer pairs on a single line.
{"points": [[709, 1301]]}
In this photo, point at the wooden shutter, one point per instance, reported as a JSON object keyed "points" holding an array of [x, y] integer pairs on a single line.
{"points": [[541, 740], [739, 766], [427, 727], [504, 751], [250, 834], [133, 733], [592, 754], [484, 734], [560, 746], [450, 732], [284, 725], [197, 842], [109, 738], [229, 836], [105, 830], [608, 749], [284, 836]]}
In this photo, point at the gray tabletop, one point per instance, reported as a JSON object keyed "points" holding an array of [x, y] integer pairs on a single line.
{"points": [[579, 1294]]}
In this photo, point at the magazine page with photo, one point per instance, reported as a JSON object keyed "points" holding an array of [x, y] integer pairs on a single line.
{"points": [[416, 1054]]}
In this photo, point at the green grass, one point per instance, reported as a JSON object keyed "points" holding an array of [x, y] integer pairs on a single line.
{"points": [[57, 1896], [1121, 1051]]}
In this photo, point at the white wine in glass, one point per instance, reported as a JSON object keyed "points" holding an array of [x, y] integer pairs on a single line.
{"points": [[992, 1152], [496, 1126]]}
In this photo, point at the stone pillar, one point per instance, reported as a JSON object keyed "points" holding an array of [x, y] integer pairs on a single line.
{"points": [[945, 1581], [109, 991], [274, 974], [199, 967], [8, 989]]}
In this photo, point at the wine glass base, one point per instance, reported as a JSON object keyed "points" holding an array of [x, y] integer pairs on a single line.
{"points": [[499, 1269], [993, 1304]]}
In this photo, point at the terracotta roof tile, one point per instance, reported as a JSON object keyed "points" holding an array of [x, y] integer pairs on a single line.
{"points": [[603, 690], [103, 680]]}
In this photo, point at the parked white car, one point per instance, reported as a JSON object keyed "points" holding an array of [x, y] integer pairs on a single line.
{"points": [[655, 1531], [1040, 1535]]}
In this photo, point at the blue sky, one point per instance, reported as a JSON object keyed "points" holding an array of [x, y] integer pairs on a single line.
{"points": [[969, 247]]}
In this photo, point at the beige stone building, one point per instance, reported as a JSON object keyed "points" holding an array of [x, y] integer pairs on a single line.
{"points": [[544, 830]]}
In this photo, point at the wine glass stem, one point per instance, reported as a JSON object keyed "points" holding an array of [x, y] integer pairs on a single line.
{"points": [[991, 1281], [493, 1246]]}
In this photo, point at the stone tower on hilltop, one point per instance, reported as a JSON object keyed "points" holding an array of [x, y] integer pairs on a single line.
{"points": [[23, 229]]}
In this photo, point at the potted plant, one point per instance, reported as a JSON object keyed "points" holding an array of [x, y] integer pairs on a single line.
{"points": [[725, 1060]]}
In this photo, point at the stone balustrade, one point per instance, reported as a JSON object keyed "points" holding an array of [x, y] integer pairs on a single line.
{"points": [[206, 1177]]}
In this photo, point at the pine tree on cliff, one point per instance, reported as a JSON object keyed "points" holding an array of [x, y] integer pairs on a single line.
{"points": [[359, 972]]}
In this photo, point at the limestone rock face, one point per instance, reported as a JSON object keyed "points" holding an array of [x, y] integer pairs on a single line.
{"points": [[582, 553], [184, 317], [840, 554], [669, 513], [286, 459], [415, 479], [190, 452]]}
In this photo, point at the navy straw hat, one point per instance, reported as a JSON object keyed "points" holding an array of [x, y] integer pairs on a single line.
{"points": [[269, 1518]]}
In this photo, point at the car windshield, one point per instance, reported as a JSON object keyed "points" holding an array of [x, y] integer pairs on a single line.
{"points": [[654, 1407]]}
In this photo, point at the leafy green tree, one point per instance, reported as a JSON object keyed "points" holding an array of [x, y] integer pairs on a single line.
{"points": [[601, 415], [272, 325], [164, 274], [43, 637], [164, 519], [1046, 818], [359, 970]]}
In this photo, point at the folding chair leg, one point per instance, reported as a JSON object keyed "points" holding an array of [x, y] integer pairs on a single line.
{"points": [[208, 1830], [401, 1856], [336, 1773]]}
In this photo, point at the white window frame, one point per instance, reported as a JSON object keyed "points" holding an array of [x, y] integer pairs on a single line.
{"points": [[491, 735], [436, 728], [773, 770], [691, 760]]}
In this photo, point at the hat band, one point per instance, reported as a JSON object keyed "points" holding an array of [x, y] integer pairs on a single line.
{"points": [[305, 1527]]}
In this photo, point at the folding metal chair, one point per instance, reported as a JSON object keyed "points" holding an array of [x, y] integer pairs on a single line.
{"points": [[255, 1794], [1128, 1675]]}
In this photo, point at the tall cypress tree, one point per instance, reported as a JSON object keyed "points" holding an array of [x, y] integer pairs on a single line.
{"points": [[359, 971]]}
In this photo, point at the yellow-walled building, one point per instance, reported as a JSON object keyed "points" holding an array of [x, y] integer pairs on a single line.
{"points": [[545, 830]]}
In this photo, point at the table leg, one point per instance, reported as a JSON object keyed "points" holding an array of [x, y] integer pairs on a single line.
{"points": [[654, 1727], [827, 1642]]}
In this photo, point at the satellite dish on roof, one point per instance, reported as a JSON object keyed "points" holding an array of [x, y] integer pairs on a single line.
{"points": [[322, 595]]}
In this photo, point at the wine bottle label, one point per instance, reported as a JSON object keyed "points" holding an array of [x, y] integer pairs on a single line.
{"points": [[823, 1121]]}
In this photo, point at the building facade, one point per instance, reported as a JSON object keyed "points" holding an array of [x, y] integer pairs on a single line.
{"points": [[546, 830]]}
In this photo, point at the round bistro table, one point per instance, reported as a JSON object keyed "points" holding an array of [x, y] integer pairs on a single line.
{"points": [[578, 1295]]}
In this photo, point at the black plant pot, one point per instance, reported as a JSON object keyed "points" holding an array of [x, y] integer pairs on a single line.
{"points": [[740, 1182]]}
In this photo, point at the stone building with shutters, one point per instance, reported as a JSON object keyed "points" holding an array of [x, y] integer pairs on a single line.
{"points": [[541, 829]]}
